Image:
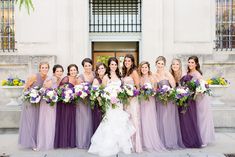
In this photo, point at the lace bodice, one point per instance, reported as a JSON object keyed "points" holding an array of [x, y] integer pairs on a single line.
{"points": [[128, 80]]}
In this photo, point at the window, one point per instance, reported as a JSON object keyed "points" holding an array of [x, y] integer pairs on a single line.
{"points": [[115, 15], [225, 25], [7, 25]]}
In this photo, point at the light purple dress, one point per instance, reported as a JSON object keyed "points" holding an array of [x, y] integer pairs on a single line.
{"points": [[84, 130], [148, 115], [29, 120], [168, 122], [204, 115], [46, 126], [134, 110]]}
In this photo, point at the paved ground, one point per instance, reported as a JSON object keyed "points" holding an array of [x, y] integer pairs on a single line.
{"points": [[224, 144]]}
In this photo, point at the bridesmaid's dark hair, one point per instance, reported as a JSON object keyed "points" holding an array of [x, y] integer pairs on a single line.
{"points": [[98, 64], [56, 67], [117, 70], [88, 60], [196, 60], [70, 66], [133, 66]]}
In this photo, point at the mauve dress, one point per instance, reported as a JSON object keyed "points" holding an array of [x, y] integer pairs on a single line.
{"points": [[148, 115], [168, 122], [29, 120], [65, 128], [84, 130], [46, 126], [204, 115], [189, 126]]}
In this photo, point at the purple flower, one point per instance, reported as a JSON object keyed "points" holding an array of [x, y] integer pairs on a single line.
{"points": [[136, 92]]}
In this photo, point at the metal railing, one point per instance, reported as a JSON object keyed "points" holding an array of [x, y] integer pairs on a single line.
{"points": [[114, 15], [7, 26]]}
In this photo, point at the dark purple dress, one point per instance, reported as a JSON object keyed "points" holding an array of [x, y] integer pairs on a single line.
{"points": [[65, 129], [96, 114], [189, 126]]}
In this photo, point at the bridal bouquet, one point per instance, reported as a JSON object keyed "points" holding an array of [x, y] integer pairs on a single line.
{"points": [[81, 91], [165, 94], [109, 97], [146, 91], [33, 95], [65, 94], [50, 96]]}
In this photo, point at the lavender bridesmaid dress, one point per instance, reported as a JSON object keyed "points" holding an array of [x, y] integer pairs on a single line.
{"points": [[204, 115], [168, 122], [29, 120], [46, 127], [151, 138], [84, 129], [65, 128]]}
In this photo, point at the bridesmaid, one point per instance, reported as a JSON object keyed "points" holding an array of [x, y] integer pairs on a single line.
{"points": [[176, 70], [130, 76], [188, 120], [84, 129], [168, 118], [204, 114], [30, 112], [151, 138], [100, 71], [65, 128], [47, 113]]}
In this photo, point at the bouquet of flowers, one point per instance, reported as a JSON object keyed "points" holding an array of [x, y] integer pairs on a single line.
{"points": [[202, 87], [109, 97], [50, 96], [81, 91], [146, 91], [181, 96], [217, 81], [65, 94], [127, 91], [95, 96], [13, 81], [165, 93], [33, 95]]}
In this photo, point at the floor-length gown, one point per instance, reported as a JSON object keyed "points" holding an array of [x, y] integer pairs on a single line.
{"points": [[114, 132], [46, 126], [204, 115], [65, 128], [96, 114], [189, 126], [29, 120], [168, 122], [134, 110], [151, 138], [84, 129]]}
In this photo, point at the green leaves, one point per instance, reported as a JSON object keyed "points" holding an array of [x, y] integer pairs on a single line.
{"points": [[27, 3]]}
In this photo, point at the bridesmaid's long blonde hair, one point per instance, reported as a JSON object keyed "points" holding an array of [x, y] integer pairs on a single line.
{"points": [[177, 75], [140, 66]]}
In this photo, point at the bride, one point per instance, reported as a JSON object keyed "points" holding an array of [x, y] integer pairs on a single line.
{"points": [[114, 132]]}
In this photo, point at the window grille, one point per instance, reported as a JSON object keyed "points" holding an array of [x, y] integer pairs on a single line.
{"points": [[114, 15], [7, 25], [225, 25]]}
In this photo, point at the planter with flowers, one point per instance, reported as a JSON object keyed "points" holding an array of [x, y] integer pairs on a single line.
{"points": [[13, 88], [218, 85]]}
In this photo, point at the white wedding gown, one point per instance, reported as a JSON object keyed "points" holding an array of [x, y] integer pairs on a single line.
{"points": [[114, 132]]}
